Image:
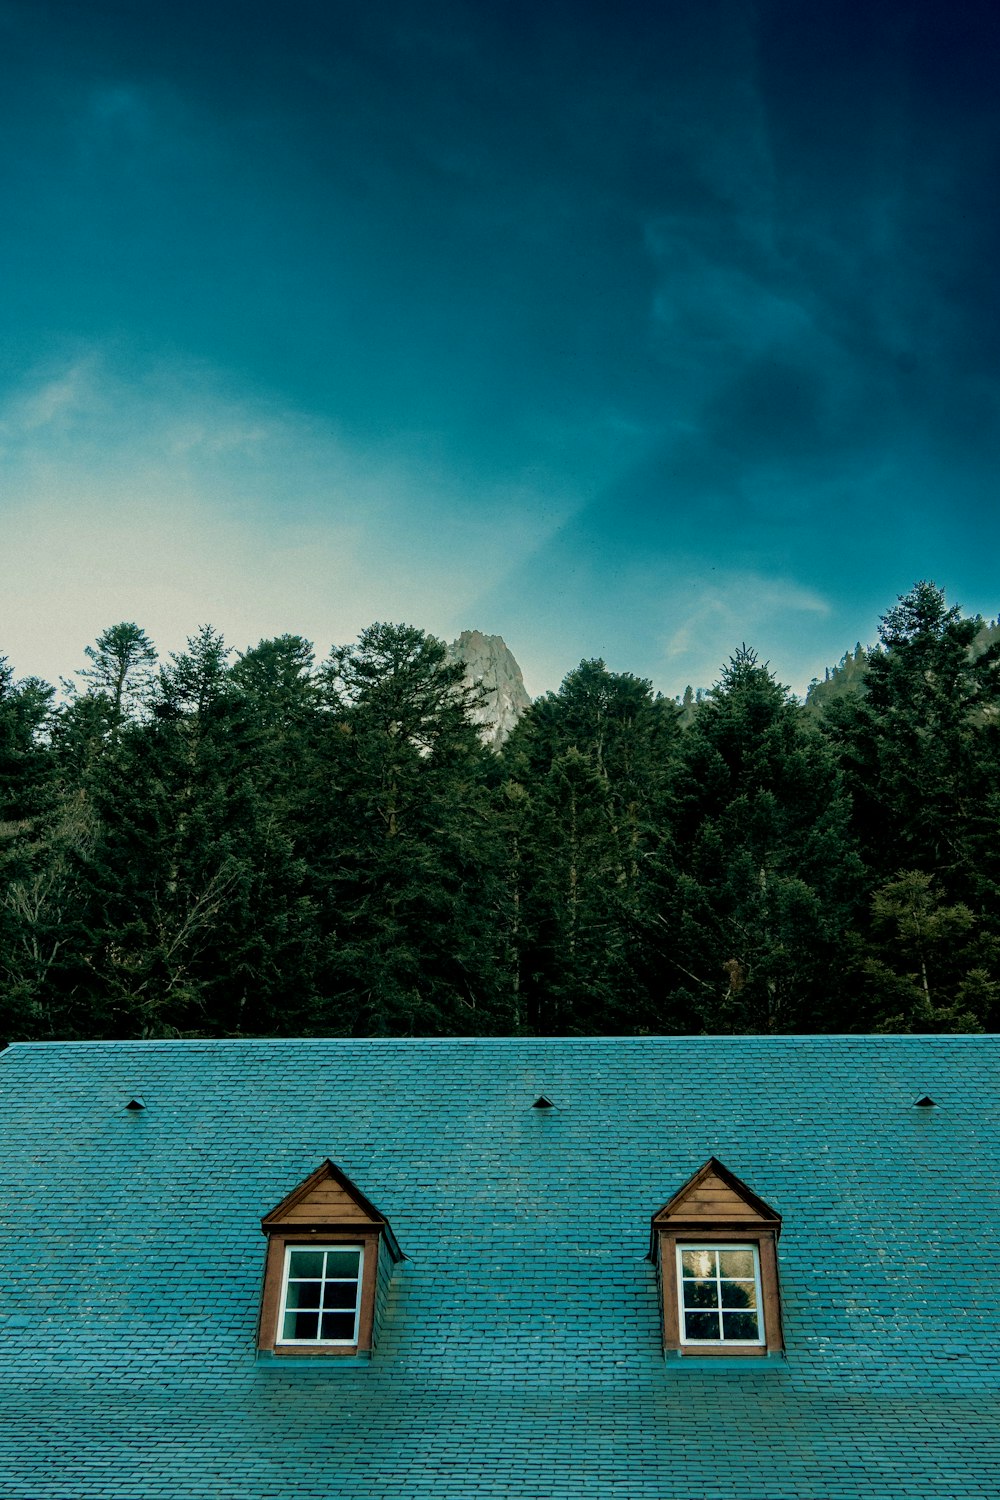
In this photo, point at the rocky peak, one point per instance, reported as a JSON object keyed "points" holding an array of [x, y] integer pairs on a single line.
{"points": [[488, 661]]}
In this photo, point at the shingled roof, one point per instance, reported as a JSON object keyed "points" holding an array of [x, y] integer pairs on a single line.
{"points": [[520, 1353]]}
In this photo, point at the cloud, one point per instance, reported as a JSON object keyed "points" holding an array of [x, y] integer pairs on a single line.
{"points": [[735, 601], [48, 399], [170, 498]]}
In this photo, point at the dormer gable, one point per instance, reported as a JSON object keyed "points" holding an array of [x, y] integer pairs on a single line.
{"points": [[714, 1197], [330, 1259], [328, 1199]]}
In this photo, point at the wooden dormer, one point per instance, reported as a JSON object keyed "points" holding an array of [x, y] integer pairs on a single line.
{"points": [[330, 1256], [711, 1211]]}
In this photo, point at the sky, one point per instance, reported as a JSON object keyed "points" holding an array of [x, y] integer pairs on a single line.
{"points": [[622, 330]]}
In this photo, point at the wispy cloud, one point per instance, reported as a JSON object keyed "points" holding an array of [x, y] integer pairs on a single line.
{"points": [[47, 399], [736, 601], [171, 499]]}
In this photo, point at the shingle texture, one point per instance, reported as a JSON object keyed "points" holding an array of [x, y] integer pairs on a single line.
{"points": [[519, 1348]]}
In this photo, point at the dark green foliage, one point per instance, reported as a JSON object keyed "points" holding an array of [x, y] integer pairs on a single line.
{"points": [[276, 679], [920, 748], [25, 763], [28, 811], [928, 967], [196, 679], [589, 769], [749, 905], [193, 894], [402, 846], [121, 668], [250, 844], [842, 681]]}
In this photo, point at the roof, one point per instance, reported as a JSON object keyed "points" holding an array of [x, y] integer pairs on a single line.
{"points": [[521, 1353]]}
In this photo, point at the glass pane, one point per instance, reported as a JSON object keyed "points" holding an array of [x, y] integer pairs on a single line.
{"points": [[698, 1262], [342, 1262], [340, 1294], [338, 1325], [738, 1294], [303, 1294], [305, 1263], [701, 1293], [739, 1325], [300, 1325], [702, 1325], [736, 1263]]}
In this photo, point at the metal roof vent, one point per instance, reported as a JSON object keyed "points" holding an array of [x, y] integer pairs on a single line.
{"points": [[543, 1102], [925, 1102], [135, 1103]]}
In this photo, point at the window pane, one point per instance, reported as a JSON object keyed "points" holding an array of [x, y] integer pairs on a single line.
{"points": [[338, 1325], [303, 1294], [701, 1294], [342, 1262], [300, 1325], [736, 1263], [340, 1294], [739, 1325], [739, 1294], [698, 1262], [305, 1263], [702, 1325]]}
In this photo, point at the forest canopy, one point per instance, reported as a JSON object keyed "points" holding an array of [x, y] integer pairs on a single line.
{"points": [[258, 843]]}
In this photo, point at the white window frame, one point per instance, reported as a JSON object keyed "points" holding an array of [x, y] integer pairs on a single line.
{"points": [[283, 1307], [720, 1343]]}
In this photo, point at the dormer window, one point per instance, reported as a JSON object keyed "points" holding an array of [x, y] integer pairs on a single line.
{"points": [[321, 1296], [330, 1257], [719, 1295], [714, 1245]]}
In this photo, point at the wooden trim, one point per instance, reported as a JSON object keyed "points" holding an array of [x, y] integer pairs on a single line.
{"points": [[771, 1292], [366, 1312], [267, 1330], [323, 1217], [274, 1266], [327, 1171], [321, 1351], [715, 1168], [765, 1238], [714, 1227]]}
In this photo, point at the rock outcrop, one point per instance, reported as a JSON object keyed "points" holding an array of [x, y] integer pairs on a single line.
{"points": [[488, 661]]}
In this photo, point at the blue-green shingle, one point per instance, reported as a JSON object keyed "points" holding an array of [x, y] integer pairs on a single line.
{"points": [[519, 1351]]}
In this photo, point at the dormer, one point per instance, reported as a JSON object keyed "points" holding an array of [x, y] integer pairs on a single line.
{"points": [[714, 1245], [330, 1257]]}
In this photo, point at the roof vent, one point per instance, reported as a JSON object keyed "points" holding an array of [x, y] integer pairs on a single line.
{"points": [[543, 1102], [925, 1102], [135, 1103]]}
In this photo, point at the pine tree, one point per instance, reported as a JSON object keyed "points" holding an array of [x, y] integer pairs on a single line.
{"points": [[591, 763], [921, 749], [402, 846], [751, 902], [25, 764], [28, 861], [195, 899], [928, 966], [122, 662]]}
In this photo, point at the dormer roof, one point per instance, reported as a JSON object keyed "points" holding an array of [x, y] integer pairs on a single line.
{"points": [[713, 1197], [328, 1199]]}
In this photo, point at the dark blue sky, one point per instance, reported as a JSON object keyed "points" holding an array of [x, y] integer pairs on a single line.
{"points": [[633, 331]]}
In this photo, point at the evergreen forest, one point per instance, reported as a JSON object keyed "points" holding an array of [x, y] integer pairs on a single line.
{"points": [[263, 844]]}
